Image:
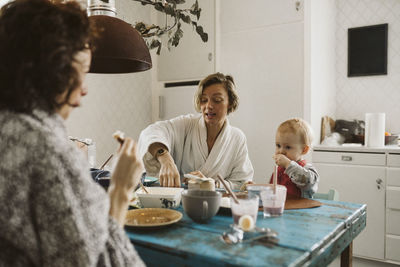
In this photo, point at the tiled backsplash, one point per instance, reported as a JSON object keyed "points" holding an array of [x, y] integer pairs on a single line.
{"points": [[358, 95]]}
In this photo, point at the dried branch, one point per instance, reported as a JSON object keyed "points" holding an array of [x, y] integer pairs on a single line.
{"points": [[152, 33]]}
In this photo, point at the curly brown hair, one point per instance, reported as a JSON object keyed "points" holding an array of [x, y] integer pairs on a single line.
{"points": [[38, 42], [218, 78]]}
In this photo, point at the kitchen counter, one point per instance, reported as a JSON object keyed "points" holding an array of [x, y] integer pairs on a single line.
{"points": [[385, 149]]}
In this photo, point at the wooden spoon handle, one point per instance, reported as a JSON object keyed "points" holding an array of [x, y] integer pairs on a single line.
{"points": [[228, 189]]}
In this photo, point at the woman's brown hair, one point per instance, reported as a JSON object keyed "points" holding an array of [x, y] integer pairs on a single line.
{"points": [[38, 42]]}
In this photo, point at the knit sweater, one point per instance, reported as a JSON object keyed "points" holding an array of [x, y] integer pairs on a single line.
{"points": [[51, 212]]}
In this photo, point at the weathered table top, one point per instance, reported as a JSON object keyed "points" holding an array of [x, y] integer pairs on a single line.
{"points": [[312, 237]]}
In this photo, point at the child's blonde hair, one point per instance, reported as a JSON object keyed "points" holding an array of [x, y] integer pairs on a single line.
{"points": [[298, 127]]}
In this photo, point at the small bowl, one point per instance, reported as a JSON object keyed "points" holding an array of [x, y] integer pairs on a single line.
{"points": [[101, 177], [160, 197], [201, 205], [148, 181]]}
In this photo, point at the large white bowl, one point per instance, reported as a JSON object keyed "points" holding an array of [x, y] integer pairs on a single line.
{"points": [[160, 197]]}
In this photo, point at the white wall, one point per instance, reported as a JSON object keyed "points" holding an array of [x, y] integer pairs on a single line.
{"points": [[261, 45], [115, 101], [357, 95], [320, 28]]}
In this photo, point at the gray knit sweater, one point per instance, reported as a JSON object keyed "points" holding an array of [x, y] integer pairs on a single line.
{"points": [[51, 212]]}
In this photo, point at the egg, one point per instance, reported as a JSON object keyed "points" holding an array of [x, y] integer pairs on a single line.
{"points": [[246, 222]]}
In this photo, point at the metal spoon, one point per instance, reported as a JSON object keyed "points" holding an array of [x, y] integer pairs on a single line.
{"points": [[269, 231], [236, 235]]}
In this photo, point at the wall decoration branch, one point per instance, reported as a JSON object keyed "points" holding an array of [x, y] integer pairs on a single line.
{"points": [[152, 33]]}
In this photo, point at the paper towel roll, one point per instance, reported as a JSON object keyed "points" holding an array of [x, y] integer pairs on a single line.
{"points": [[375, 129]]}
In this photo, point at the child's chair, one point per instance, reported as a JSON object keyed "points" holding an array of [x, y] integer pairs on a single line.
{"points": [[332, 194]]}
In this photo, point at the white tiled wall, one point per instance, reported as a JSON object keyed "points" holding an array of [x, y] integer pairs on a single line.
{"points": [[358, 95], [115, 101]]}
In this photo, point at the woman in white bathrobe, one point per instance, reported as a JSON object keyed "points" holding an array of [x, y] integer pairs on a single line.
{"points": [[203, 142]]}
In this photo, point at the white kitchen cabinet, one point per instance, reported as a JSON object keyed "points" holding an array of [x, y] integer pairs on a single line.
{"points": [[358, 183], [192, 59], [393, 208], [370, 176]]}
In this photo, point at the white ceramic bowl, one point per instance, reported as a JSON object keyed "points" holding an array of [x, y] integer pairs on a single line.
{"points": [[160, 197]]}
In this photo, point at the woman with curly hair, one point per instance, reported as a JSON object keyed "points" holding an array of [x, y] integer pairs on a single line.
{"points": [[52, 212]]}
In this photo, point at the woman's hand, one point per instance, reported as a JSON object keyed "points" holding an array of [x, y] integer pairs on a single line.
{"points": [[281, 160], [198, 174], [169, 174], [129, 168], [126, 176]]}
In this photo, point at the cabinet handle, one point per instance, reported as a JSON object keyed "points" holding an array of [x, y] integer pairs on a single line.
{"points": [[378, 183], [210, 56], [347, 158], [298, 5]]}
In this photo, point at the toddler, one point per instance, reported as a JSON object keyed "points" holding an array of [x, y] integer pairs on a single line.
{"points": [[293, 141]]}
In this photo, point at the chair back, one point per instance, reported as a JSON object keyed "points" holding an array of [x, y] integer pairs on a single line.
{"points": [[332, 194]]}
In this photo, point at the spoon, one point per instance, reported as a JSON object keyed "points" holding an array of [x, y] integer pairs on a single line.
{"points": [[228, 189], [234, 238], [269, 231], [237, 235], [229, 238]]}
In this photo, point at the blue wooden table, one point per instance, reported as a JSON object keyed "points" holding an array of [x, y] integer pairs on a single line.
{"points": [[313, 237]]}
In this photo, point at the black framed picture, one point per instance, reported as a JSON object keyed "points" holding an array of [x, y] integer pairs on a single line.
{"points": [[367, 50]]}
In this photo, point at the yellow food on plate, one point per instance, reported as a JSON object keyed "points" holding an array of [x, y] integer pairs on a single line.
{"points": [[246, 222]]}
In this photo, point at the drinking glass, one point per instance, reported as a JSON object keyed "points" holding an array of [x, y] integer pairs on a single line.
{"points": [[248, 206], [273, 204]]}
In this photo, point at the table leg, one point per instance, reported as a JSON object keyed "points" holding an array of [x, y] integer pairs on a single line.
{"points": [[346, 259]]}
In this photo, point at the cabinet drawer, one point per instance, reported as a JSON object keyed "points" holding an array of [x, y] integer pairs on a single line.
{"points": [[393, 197], [371, 159], [393, 222], [393, 160], [393, 247], [393, 177]]}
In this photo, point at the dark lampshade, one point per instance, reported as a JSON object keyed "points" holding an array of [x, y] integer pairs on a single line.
{"points": [[119, 49]]}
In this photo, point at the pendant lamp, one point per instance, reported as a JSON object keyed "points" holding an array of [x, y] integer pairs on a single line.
{"points": [[119, 48]]}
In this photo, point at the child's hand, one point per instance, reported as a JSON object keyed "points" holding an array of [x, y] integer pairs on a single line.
{"points": [[281, 160]]}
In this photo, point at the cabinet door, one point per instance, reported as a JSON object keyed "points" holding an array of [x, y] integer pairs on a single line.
{"points": [[360, 184], [239, 15], [192, 59]]}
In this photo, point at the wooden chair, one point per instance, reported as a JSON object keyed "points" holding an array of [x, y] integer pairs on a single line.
{"points": [[332, 194]]}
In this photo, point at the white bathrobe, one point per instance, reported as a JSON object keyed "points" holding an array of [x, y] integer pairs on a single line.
{"points": [[186, 139]]}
